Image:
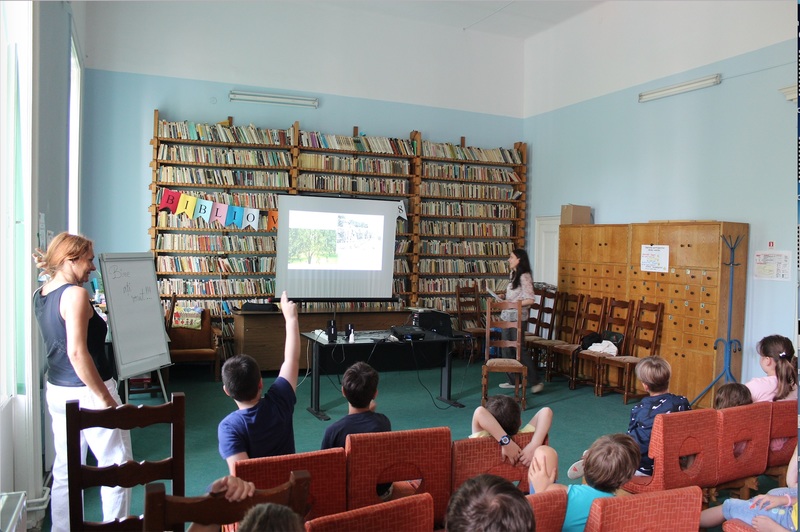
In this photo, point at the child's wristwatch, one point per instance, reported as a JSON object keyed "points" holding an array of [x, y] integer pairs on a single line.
{"points": [[504, 440]]}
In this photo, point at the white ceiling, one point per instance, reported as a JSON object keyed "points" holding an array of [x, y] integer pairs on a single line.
{"points": [[519, 19]]}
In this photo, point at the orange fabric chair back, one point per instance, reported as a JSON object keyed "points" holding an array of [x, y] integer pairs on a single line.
{"points": [[784, 425], [475, 456], [745, 428], [692, 433], [410, 514], [327, 490], [380, 457], [676, 510], [549, 508]]}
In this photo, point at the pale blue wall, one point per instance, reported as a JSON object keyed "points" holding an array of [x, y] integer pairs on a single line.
{"points": [[725, 153], [118, 126]]}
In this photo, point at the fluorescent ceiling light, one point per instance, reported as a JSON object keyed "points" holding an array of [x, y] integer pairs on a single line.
{"points": [[277, 99], [702, 83]]}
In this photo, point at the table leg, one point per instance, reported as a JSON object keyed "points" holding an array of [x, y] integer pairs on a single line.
{"points": [[446, 378], [314, 408]]}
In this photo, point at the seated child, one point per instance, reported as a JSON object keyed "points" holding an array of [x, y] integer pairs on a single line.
{"points": [[261, 426], [488, 502], [359, 387], [778, 360], [609, 463], [778, 508], [501, 419], [654, 373]]}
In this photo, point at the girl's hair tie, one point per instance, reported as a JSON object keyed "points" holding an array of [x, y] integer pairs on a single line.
{"points": [[782, 354]]}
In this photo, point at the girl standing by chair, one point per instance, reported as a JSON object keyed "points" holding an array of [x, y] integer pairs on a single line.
{"points": [[520, 288]]}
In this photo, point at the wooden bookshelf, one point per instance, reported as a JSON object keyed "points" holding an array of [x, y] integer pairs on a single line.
{"points": [[465, 207]]}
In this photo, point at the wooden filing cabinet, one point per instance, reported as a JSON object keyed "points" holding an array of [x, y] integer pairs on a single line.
{"points": [[695, 290]]}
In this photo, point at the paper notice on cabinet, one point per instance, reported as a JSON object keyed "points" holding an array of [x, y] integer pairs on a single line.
{"points": [[773, 265], [654, 259]]}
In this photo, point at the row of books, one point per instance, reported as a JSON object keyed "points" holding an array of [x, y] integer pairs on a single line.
{"points": [[401, 266], [466, 229], [218, 265], [249, 134], [258, 287], [222, 307], [216, 155], [434, 266], [215, 243], [346, 183], [469, 173], [462, 191], [470, 247], [400, 285], [222, 176], [345, 306], [402, 246], [446, 150], [167, 220], [320, 161], [363, 143], [471, 210]]}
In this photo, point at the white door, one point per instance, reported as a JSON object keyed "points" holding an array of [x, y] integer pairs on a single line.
{"points": [[545, 256]]}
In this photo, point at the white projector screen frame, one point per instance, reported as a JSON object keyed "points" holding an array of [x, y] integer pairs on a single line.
{"points": [[335, 249]]}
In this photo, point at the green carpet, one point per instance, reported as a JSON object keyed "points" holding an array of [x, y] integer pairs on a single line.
{"points": [[406, 397]]}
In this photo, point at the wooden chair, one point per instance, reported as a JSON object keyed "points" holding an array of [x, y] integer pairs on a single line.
{"points": [[469, 316], [643, 342], [475, 456], [499, 364], [170, 512], [618, 318], [409, 514], [399, 456], [676, 436], [676, 510], [783, 439], [549, 509], [131, 473], [541, 323], [743, 445], [328, 470], [567, 312], [565, 356], [193, 345]]}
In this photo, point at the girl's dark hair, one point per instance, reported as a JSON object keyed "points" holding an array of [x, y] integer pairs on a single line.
{"points": [[780, 349], [524, 266], [732, 394]]}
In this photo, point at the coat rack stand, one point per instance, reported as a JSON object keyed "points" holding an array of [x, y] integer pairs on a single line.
{"points": [[731, 344]]}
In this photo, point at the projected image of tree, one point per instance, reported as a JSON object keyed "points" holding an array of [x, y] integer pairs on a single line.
{"points": [[312, 246], [334, 241]]}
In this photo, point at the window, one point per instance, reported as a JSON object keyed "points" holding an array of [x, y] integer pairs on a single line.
{"points": [[74, 138], [15, 189]]}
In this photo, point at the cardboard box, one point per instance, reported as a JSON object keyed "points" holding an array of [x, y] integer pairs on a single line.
{"points": [[576, 214]]}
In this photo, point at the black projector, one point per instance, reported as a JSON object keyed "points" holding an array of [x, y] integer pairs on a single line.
{"points": [[433, 320]]}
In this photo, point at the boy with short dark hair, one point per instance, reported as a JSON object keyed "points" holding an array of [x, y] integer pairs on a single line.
{"points": [[359, 387], [501, 418], [654, 372], [489, 502], [261, 426], [609, 463]]}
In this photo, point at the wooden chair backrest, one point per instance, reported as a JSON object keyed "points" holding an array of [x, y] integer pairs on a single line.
{"points": [[468, 307], [618, 318], [744, 426], [549, 509], [493, 321], [168, 512], [568, 318], [644, 339], [543, 321], [202, 338], [475, 456], [784, 428], [131, 473], [592, 317]]}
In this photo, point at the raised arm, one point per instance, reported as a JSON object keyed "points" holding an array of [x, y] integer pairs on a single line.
{"points": [[482, 419], [291, 351]]}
